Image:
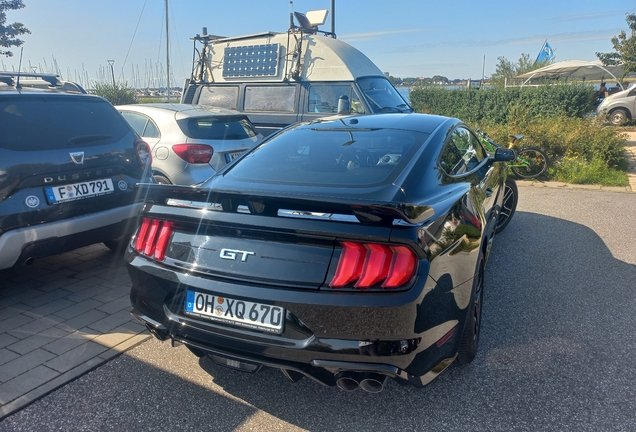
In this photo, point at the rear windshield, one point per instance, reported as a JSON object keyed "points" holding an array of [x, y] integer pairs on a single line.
{"points": [[218, 128], [338, 157], [41, 123]]}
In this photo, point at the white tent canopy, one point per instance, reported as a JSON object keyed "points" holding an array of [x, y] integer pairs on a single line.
{"points": [[581, 69]]}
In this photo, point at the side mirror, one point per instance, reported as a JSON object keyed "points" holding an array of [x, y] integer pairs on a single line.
{"points": [[505, 155], [343, 105]]}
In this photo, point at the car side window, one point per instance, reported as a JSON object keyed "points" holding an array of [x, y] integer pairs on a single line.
{"points": [[151, 131], [144, 127], [462, 153], [270, 98], [220, 96], [324, 98]]}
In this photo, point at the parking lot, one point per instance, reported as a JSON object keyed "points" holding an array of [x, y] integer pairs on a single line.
{"points": [[556, 349]]}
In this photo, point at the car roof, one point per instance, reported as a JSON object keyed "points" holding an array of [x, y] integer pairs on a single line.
{"points": [[179, 110]]}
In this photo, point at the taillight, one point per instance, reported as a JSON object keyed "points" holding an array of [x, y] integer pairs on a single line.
{"points": [[144, 156], [194, 153], [152, 238], [366, 265]]}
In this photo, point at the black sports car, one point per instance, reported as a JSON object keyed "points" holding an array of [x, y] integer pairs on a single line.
{"points": [[347, 249]]}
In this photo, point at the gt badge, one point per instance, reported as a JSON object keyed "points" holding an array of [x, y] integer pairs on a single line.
{"points": [[232, 254]]}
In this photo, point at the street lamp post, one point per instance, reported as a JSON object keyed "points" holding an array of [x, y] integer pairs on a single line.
{"points": [[112, 71]]}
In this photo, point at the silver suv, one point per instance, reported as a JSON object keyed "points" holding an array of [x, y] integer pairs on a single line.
{"points": [[620, 107]]}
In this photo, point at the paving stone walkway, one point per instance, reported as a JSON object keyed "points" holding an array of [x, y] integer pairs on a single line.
{"points": [[630, 152], [60, 318]]}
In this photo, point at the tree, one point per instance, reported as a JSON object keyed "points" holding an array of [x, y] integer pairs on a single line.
{"points": [[9, 33], [507, 69], [117, 94], [624, 48]]}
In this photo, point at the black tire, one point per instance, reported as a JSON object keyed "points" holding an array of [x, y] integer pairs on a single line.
{"points": [[161, 179], [536, 159], [470, 337], [618, 117], [508, 206]]}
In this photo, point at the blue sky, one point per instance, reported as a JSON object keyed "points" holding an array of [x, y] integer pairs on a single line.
{"points": [[404, 37]]}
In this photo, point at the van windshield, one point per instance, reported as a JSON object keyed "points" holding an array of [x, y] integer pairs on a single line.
{"points": [[382, 96]]}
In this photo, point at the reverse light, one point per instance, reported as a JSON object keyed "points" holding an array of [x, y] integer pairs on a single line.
{"points": [[367, 265], [194, 153], [153, 237]]}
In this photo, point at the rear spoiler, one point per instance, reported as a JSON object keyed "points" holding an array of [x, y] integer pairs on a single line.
{"points": [[268, 204]]}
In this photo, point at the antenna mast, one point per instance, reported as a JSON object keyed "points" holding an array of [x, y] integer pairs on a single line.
{"points": [[167, 55]]}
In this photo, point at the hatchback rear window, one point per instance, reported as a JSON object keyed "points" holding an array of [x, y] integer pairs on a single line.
{"points": [[41, 123], [337, 157], [218, 128], [47, 122]]}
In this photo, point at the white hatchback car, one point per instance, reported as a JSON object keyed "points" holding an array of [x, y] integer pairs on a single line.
{"points": [[190, 142]]}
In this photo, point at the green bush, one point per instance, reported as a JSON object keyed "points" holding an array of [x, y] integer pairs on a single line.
{"points": [[579, 171], [495, 104], [117, 94], [581, 149], [560, 136]]}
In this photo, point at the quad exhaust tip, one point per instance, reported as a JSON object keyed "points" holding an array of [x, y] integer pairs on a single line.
{"points": [[369, 382]]}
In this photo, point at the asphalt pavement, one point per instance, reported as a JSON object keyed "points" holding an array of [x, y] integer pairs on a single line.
{"points": [[556, 352]]}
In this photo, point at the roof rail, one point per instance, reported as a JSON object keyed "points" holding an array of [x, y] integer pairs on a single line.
{"points": [[52, 80]]}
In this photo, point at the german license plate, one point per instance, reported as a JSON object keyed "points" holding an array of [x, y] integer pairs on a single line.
{"points": [[76, 191], [241, 313], [233, 155]]}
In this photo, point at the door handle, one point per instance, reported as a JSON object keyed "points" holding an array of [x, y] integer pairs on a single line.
{"points": [[488, 192]]}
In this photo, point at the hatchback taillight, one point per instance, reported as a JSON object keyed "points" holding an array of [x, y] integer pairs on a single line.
{"points": [[153, 237], [194, 153], [144, 156], [366, 265]]}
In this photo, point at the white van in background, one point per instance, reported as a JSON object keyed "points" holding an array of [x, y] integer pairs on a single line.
{"points": [[280, 78], [619, 107]]}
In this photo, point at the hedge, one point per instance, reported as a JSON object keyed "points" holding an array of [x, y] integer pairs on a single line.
{"points": [[494, 105]]}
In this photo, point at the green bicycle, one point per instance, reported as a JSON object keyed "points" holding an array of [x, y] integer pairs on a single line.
{"points": [[530, 161]]}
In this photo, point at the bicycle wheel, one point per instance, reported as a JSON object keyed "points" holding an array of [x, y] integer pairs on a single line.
{"points": [[530, 162], [508, 206]]}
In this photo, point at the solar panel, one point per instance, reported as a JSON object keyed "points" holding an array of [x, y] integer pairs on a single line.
{"points": [[251, 60]]}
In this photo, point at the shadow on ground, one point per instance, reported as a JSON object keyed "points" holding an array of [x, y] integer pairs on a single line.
{"points": [[556, 353]]}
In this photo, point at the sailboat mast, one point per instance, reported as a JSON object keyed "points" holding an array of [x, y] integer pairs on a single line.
{"points": [[167, 55]]}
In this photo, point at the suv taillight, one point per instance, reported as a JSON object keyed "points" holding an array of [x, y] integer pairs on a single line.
{"points": [[369, 264], [153, 237], [194, 153], [144, 156]]}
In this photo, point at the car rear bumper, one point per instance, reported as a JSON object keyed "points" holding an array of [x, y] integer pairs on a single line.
{"points": [[411, 336], [49, 238], [325, 372]]}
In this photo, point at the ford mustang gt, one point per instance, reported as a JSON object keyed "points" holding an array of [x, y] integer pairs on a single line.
{"points": [[349, 250]]}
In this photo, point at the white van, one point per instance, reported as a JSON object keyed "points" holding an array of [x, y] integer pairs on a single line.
{"points": [[281, 78], [619, 107]]}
